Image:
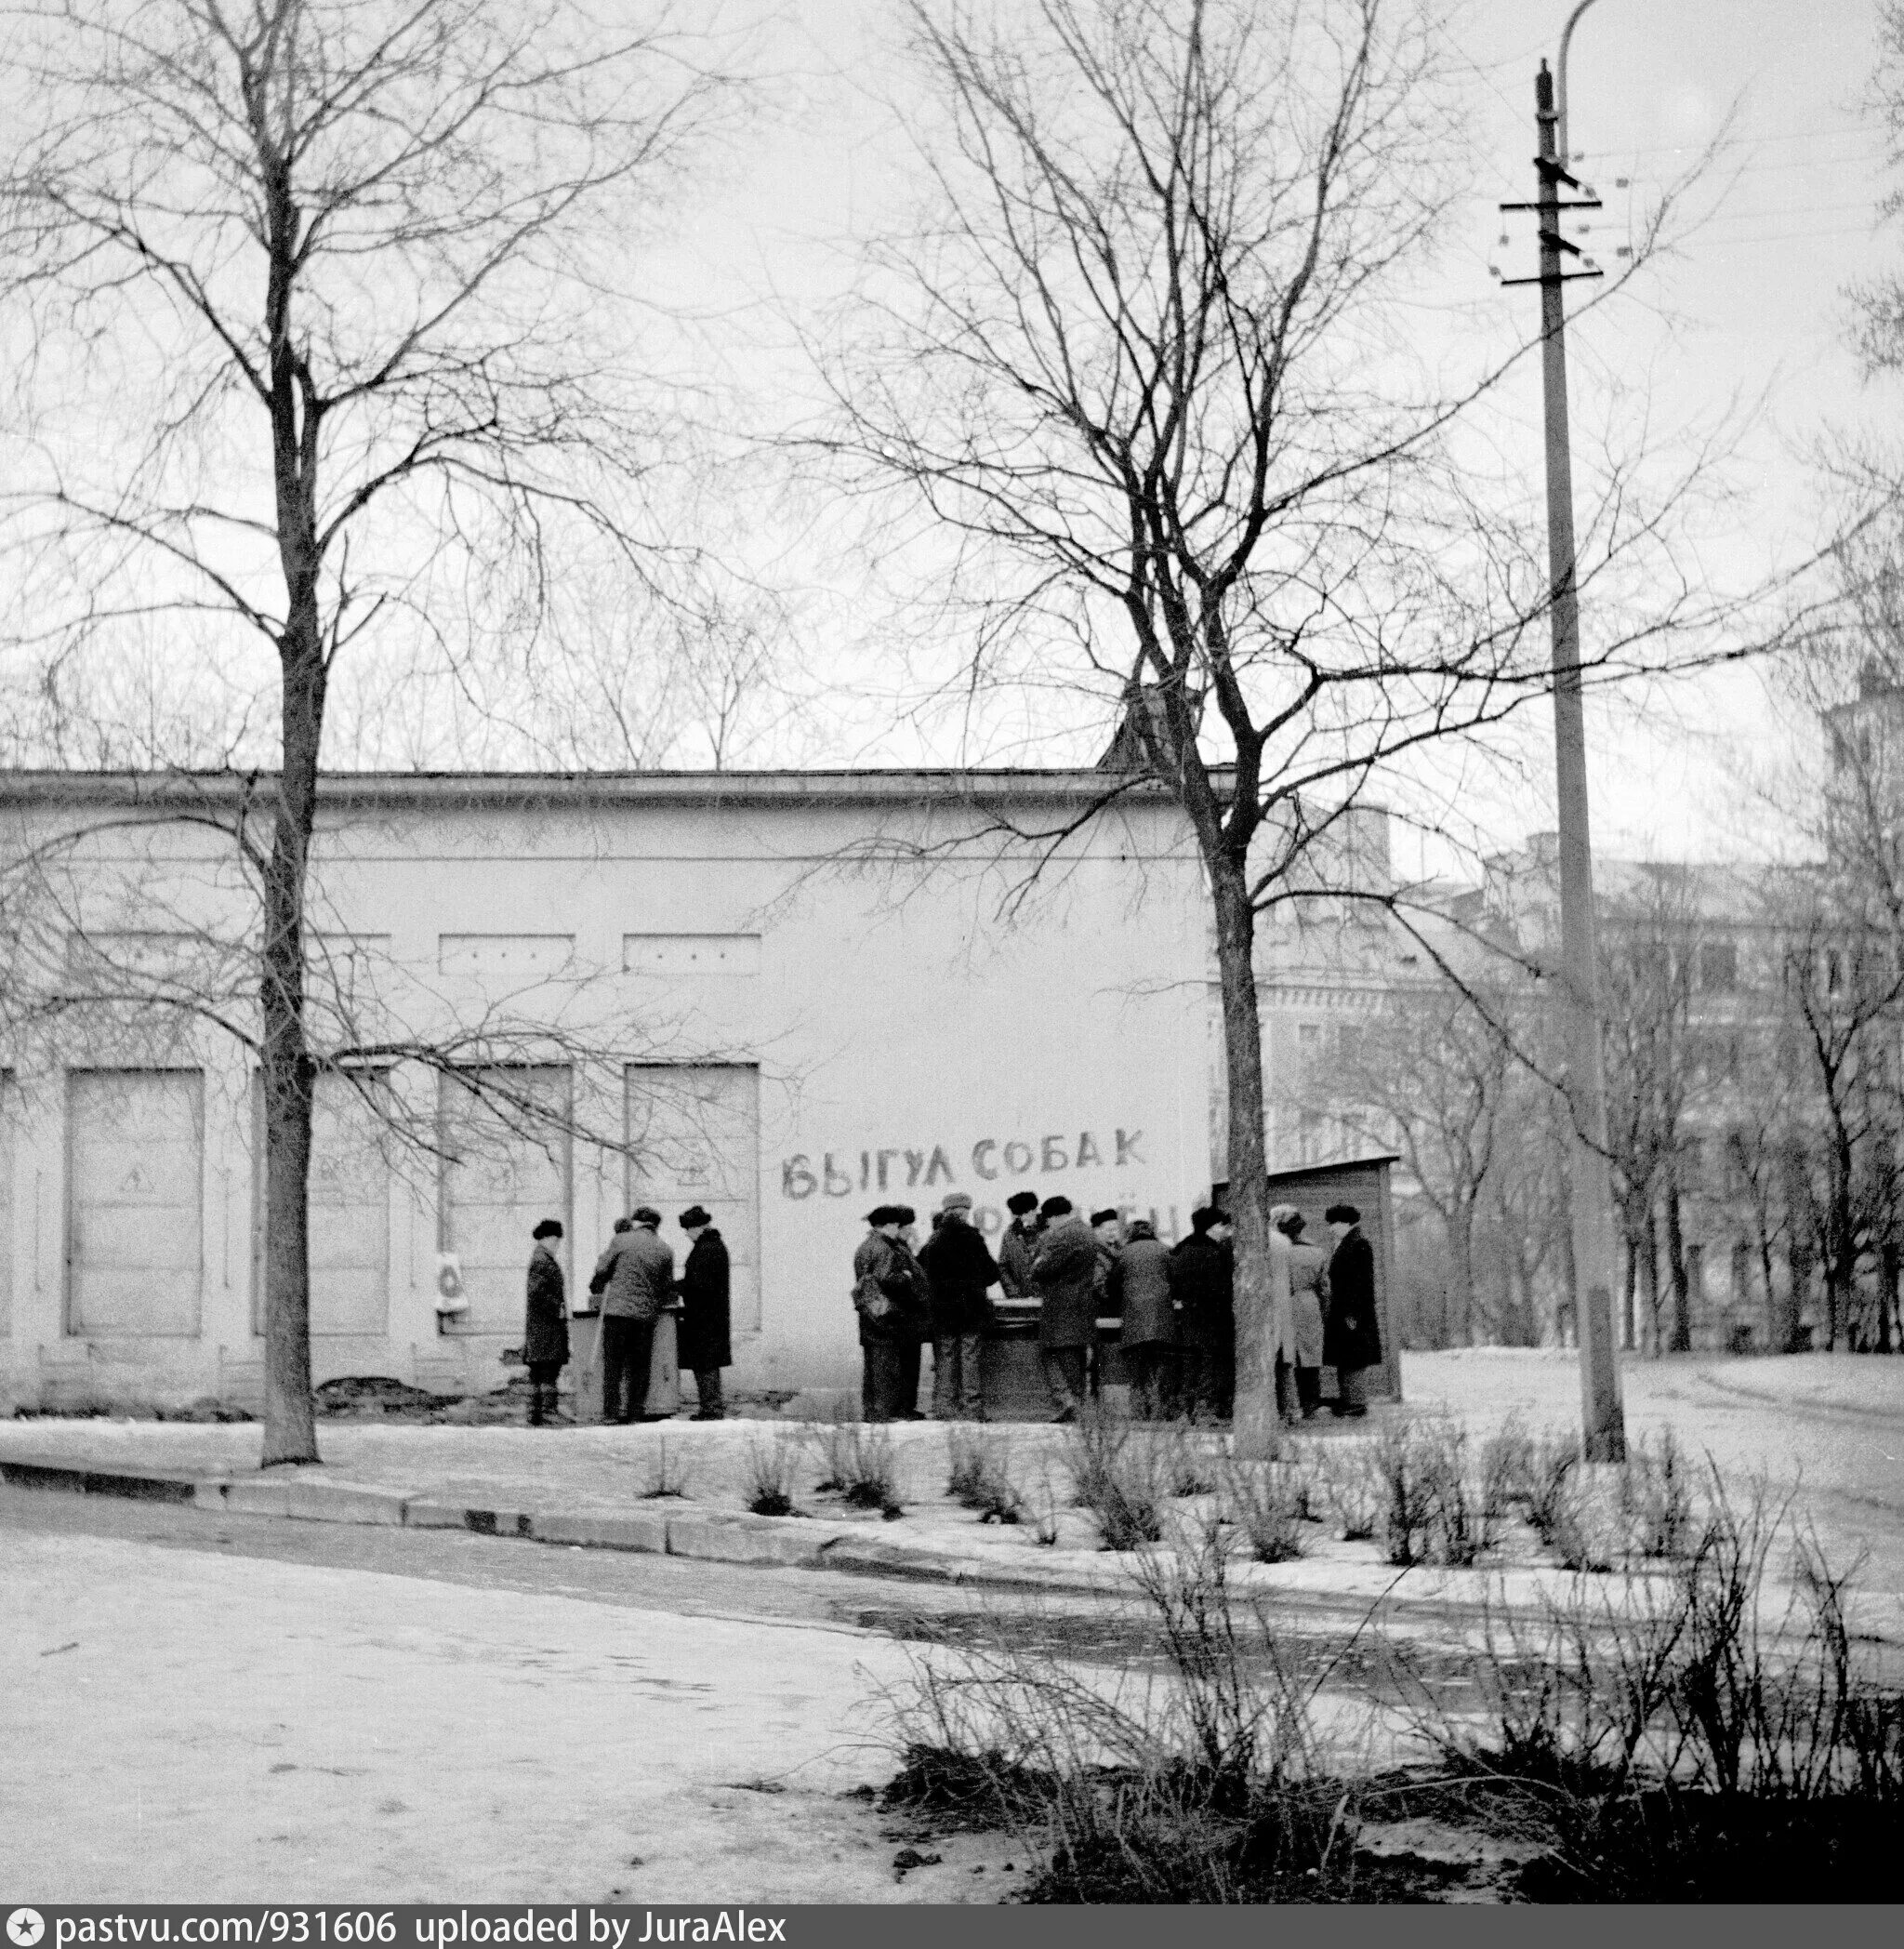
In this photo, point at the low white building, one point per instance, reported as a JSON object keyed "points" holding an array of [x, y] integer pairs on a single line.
{"points": [[788, 997]]}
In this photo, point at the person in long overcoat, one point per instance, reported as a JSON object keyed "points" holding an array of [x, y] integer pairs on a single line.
{"points": [[1107, 1229], [959, 1271], [703, 1330], [1140, 1292], [545, 1330], [1064, 1274], [635, 1277], [1019, 1246], [1352, 1333], [1308, 1294], [889, 1297], [1203, 1281]]}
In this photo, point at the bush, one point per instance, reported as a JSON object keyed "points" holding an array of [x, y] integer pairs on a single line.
{"points": [[1262, 1499], [1401, 1464], [1550, 1493], [979, 1474], [1652, 1738], [1460, 1527], [1350, 1493], [1507, 1459], [772, 1473], [836, 1440], [1192, 1786], [664, 1478], [1189, 1463], [858, 1464], [1116, 1478], [1655, 1499], [1676, 1748]]}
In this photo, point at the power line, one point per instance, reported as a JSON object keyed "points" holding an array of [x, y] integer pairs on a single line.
{"points": [[1743, 142]]}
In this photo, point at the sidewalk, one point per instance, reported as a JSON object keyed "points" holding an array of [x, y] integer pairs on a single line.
{"points": [[1824, 1428], [591, 1487]]}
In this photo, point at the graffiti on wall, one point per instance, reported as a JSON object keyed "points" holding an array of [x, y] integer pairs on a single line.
{"points": [[992, 1161], [903, 1168]]}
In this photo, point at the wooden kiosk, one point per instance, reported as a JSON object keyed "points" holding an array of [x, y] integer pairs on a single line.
{"points": [[1364, 1184]]}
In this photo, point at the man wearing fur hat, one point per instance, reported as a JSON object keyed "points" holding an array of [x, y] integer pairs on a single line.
{"points": [[1352, 1333], [1064, 1274], [958, 1268], [1308, 1295], [1019, 1246], [704, 1345], [886, 1297], [635, 1277], [1202, 1282]]}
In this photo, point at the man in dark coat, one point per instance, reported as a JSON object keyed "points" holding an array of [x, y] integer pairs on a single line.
{"points": [[1351, 1332], [635, 1277], [1140, 1294], [958, 1268], [891, 1308], [1019, 1246], [919, 1321], [1064, 1274], [1202, 1281], [703, 1344], [546, 1331]]}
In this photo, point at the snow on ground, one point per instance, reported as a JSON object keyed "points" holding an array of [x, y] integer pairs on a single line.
{"points": [[1826, 1430], [184, 1727]]}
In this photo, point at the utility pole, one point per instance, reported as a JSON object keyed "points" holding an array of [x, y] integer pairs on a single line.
{"points": [[1602, 1416]]}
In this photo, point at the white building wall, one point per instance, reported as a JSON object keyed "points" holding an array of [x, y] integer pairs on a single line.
{"points": [[921, 1021]]}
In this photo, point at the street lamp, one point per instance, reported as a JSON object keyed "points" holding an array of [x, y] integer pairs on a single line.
{"points": [[1560, 81], [1602, 1414]]}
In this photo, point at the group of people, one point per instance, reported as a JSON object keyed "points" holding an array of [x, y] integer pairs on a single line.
{"points": [[1175, 1305], [635, 1281]]}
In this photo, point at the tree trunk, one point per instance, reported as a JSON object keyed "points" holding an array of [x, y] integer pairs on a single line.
{"points": [[289, 1078], [1567, 1328], [1628, 1322], [1798, 1251], [1675, 1260], [1841, 1245], [1777, 1336], [1649, 1274], [1462, 1236], [1257, 1427], [1887, 1290]]}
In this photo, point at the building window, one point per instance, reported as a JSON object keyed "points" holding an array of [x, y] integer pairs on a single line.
{"points": [[1309, 1035], [1718, 967]]}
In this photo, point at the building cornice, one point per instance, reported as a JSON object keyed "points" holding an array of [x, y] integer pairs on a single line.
{"points": [[589, 791]]}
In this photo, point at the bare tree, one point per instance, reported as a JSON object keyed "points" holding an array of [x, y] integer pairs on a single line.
{"points": [[1431, 1075], [1757, 1145], [1142, 357], [341, 266], [1651, 936]]}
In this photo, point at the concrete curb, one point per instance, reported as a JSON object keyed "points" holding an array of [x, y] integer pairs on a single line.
{"points": [[715, 1536], [711, 1535], [78, 1480]]}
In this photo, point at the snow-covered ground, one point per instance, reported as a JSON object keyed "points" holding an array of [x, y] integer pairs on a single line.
{"points": [[1825, 1431], [187, 1727]]}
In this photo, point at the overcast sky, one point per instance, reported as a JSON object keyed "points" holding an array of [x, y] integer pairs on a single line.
{"points": [[1748, 311], [1744, 322]]}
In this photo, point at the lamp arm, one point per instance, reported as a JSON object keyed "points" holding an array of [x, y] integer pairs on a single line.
{"points": [[1560, 84]]}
